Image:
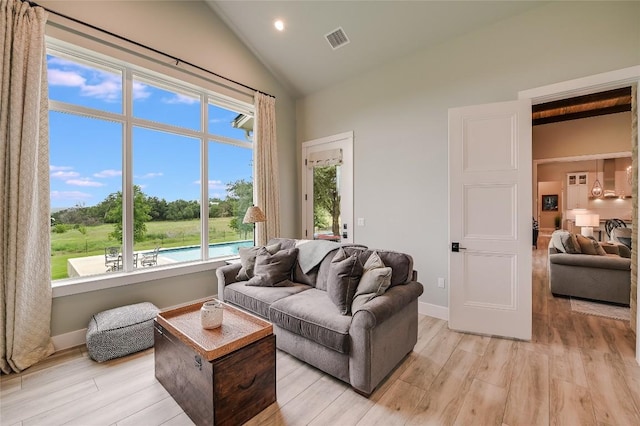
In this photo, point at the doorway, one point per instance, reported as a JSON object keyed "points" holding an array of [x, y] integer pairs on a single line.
{"points": [[327, 188], [582, 86]]}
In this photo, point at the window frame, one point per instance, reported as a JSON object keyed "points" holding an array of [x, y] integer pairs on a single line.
{"points": [[129, 72]]}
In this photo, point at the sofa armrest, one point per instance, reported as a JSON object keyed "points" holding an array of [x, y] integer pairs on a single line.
{"points": [[226, 275], [378, 309], [382, 333]]}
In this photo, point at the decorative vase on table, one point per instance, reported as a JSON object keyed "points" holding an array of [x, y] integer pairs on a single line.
{"points": [[211, 314]]}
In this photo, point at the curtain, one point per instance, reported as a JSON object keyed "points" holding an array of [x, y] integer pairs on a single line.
{"points": [[266, 180], [634, 211], [25, 287]]}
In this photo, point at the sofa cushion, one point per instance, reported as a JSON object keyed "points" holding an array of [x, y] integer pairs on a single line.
{"points": [[605, 262], [375, 280], [313, 315], [273, 269], [248, 259], [344, 274], [258, 299]]}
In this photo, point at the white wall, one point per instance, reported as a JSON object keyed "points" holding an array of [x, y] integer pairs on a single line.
{"points": [[398, 113], [193, 32]]}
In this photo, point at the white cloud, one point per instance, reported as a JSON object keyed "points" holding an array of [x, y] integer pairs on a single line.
{"points": [[84, 182], [151, 175], [213, 184], [217, 195], [219, 120], [61, 174], [69, 195], [140, 91], [65, 78], [56, 168], [108, 173], [179, 98]]}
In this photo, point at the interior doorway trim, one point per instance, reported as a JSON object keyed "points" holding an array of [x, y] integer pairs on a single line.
{"points": [[584, 86]]}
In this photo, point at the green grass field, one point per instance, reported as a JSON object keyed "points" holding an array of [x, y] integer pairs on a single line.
{"points": [[73, 243]]}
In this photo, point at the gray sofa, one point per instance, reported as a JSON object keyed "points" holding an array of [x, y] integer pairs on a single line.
{"points": [[360, 348], [598, 277]]}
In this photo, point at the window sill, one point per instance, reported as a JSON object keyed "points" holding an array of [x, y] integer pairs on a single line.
{"points": [[87, 284]]}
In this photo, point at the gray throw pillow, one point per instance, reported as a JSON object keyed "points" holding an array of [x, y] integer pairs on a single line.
{"points": [[344, 274], [273, 270], [376, 279], [248, 259], [566, 242]]}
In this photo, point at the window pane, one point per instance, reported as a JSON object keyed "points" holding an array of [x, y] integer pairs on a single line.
{"points": [[230, 194], [80, 84], [85, 168], [164, 106], [326, 203], [166, 169], [224, 122]]}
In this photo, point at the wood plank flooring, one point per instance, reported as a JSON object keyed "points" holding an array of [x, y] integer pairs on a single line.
{"points": [[577, 370]]}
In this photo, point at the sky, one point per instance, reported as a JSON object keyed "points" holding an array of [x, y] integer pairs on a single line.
{"points": [[86, 153]]}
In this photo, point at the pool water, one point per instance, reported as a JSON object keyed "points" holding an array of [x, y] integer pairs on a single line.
{"points": [[185, 254]]}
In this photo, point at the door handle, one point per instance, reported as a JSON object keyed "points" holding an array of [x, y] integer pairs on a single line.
{"points": [[455, 247]]}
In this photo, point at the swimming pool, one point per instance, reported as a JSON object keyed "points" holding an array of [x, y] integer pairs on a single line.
{"points": [[185, 254]]}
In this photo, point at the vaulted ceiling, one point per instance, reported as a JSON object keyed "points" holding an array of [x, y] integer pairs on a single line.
{"points": [[379, 32]]}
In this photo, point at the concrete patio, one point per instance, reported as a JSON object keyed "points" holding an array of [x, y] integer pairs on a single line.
{"points": [[94, 265]]}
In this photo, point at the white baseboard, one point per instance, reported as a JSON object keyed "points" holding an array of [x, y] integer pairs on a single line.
{"points": [[69, 340], [436, 311]]}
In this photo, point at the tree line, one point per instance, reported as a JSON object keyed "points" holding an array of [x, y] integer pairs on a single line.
{"points": [[147, 209]]}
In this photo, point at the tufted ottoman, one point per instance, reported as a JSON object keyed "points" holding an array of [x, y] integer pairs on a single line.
{"points": [[121, 331]]}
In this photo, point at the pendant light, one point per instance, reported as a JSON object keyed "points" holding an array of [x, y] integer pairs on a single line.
{"points": [[596, 190]]}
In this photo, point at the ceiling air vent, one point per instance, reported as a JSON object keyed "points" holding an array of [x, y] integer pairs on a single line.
{"points": [[337, 38]]}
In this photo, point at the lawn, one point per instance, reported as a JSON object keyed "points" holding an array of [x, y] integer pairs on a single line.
{"points": [[73, 243]]}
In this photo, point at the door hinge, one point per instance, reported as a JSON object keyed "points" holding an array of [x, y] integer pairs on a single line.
{"points": [[306, 233], [305, 161], [305, 197]]}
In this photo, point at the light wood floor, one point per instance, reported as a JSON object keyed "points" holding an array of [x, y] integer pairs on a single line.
{"points": [[577, 370]]}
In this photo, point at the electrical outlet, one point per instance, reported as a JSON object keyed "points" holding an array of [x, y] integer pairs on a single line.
{"points": [[361, 221], [441, 282]]}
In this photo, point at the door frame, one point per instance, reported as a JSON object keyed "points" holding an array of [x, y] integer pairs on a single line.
{"points": [[347, 172], [583, 86]]}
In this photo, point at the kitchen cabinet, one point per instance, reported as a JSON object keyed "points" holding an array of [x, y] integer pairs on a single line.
{"points": [[577, 190], [623, 186]]}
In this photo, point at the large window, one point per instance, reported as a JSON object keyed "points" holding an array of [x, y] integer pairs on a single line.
{"points": [[146, 171]]}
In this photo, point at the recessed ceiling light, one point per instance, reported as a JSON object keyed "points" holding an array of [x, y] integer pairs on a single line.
{"points": [[279, 25]]}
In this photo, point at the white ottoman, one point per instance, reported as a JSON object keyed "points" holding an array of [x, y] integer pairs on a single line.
{"points": [[121, 331]]}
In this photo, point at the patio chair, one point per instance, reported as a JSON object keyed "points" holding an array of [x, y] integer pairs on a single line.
{"points": [[112, 258], [150, 258]]}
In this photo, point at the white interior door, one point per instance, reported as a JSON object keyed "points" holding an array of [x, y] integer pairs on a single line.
{"points": [[327, 188], [490, 219]]}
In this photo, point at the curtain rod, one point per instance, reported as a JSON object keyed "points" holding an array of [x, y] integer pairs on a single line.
{"points": [[178, 60]]}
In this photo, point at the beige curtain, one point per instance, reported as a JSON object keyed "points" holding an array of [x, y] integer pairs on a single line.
{"points": [[25, 286], [634, 214], [266, 179]]}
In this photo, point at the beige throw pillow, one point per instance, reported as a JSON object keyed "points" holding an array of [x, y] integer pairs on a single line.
{"points": [[590, 246], [376, 279]]}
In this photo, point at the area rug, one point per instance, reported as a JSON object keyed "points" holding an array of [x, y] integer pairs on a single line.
{"points": [[600, 309]]}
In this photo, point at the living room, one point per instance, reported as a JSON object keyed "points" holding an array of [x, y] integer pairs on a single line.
{"points": [[397, 111]]}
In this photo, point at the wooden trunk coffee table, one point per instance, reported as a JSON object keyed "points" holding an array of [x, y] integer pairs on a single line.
{"points": [[222, 376]]}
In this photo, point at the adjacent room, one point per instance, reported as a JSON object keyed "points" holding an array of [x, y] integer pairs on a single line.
{"points": [[319, 212]]}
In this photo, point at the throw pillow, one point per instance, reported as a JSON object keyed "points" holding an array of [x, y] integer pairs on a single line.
{"points": [[590, 246], [248, 259], [570, 243], [376, 279], [273, 270], [344, 274]]}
